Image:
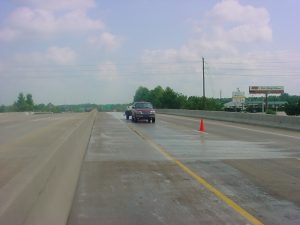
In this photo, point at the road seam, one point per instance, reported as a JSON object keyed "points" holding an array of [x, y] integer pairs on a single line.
{"points": [[199, 179]]}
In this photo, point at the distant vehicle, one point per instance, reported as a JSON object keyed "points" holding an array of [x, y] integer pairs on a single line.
{"points": [[128, 112], [142, 111]]}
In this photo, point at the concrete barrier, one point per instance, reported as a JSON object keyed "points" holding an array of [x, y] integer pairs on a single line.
{"points": [[286, 122], [43, 192]]}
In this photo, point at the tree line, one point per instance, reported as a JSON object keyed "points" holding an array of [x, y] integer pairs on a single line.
{"points": [[25, 103], [292, 108], [159, 97], [168, 98]]}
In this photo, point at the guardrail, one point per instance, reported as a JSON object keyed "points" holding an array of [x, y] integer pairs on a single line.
{"points": [[286, 122], [43, 192]]}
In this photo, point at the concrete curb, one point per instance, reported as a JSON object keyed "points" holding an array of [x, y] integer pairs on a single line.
{"points": [[43, 194], [286, 122]]}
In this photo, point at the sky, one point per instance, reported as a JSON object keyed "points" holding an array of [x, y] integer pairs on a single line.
{"points": [[90, 51]]}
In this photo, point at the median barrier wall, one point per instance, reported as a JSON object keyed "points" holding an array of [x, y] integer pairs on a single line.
{"points": [[287, 122], [43, 192]]}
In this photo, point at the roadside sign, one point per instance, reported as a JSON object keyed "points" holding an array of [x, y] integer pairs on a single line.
{"points": [[266, 89]]}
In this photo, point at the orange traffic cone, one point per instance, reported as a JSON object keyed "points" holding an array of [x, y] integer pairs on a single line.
{"points": [[202, 127]]}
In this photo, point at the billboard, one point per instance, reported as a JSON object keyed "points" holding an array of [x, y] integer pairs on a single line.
{"points": [[266, 89]]}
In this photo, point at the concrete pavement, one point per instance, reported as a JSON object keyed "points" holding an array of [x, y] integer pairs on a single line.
{"points": [[125, 179], [40, 158], [140, 173]]}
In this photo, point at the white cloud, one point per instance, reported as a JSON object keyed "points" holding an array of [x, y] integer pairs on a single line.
{"points": [[227, 37], [249, 33], [221, 32], [60, 5], [54, 54], [107, 71], [37, 17], [41, 19], [78, 21], [61, 55], [32, 20], [241, 23], [233, 11], [106, 40], [8, 34], [167, 55], [27, 20]]}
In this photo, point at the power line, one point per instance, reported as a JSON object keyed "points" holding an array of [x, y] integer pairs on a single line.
{"points": [[214, 62], [138, 69]]}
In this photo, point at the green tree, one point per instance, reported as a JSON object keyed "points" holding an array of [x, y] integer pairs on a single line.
{"points": [[172, 100], [29, 102], [24, 103], [20, 104], [40, 108], [212, 104], [142, 94], [181, 100], [2, 108], [155, 96], [292, 107], [195, 102]]}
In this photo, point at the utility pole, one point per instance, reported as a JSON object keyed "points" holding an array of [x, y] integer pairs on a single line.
{"points": [[203, 77], [204, 101]]}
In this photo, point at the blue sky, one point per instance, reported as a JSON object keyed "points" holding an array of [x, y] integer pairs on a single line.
{"points": [[100, 52]]}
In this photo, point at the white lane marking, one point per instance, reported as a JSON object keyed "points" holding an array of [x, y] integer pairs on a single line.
{"points": [[254, 130], [47, 118], [200, 132], [243, 128], [11, 126]]}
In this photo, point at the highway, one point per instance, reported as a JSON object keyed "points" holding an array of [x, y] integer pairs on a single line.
{"points": [[39, 155], [170, 173], [25, 138]]}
